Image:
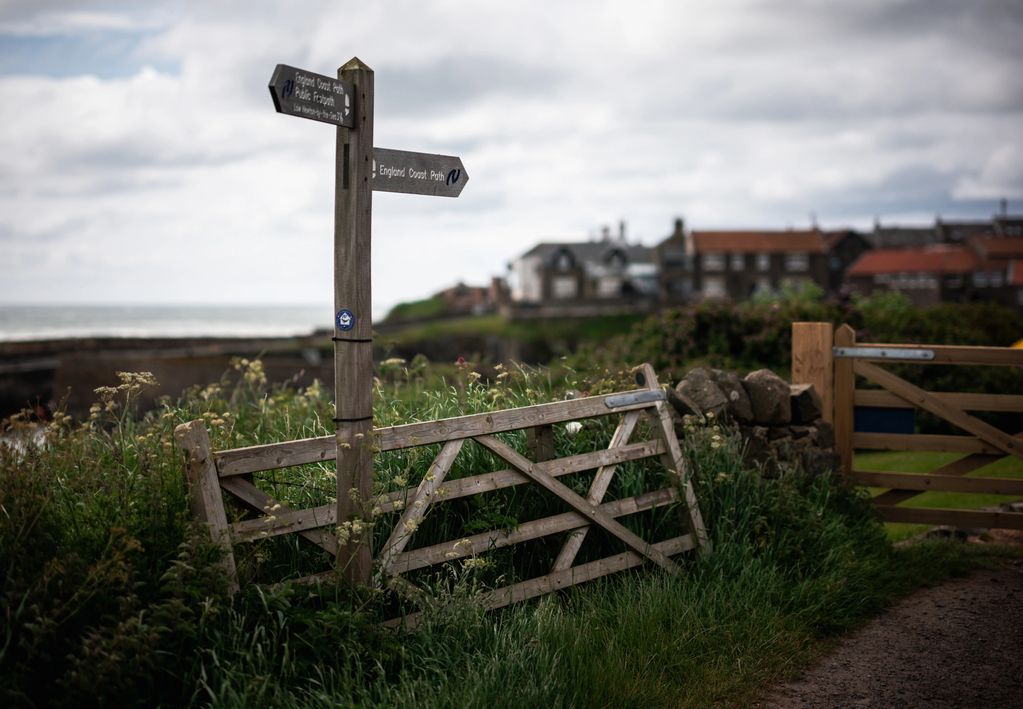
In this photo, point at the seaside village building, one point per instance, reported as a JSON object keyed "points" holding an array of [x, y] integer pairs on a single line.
{"points": [[949, 261], [944, 261], [581, 278], [734, 265]]}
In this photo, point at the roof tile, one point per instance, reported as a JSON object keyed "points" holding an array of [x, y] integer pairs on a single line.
{"points": [[940, 258], [758, 241]]}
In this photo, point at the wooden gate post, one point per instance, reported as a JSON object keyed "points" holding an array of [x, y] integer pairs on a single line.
{"points": [[204, 496], [845, 386], [813, 363], [353, 326]]}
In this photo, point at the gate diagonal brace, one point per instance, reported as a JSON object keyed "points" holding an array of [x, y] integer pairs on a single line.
{"points": [[577, 503]]}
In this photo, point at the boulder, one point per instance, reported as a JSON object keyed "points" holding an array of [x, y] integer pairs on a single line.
{"points": [[825, 434], [682, 404], [757, 449], [806, 403], [739, 407], [769, 398], [699, 387]]}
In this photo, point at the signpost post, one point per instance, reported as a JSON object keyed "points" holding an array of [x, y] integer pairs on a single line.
{"points": [[347, 102]]}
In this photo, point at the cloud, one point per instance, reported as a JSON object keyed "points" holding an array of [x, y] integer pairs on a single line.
{"points": [[157, 170]]}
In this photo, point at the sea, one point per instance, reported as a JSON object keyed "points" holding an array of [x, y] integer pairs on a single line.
{"points": [[22, 323]]}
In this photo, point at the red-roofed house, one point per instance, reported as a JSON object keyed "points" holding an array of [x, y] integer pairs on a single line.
{"points": [[926, 274], [737, 264], [1001, 262]]}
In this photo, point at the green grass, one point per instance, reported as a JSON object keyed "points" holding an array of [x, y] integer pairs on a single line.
{"points": [[925, 462], [111, 597], [556, 330], [417, 310]]}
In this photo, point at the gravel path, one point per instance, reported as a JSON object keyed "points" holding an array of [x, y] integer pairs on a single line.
{"points": [[958, 645]]}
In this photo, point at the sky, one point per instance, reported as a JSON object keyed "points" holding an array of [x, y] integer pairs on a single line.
{"points": [[141, 160]]}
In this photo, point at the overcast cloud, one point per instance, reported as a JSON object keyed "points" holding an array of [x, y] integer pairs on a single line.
{"points": [[141, 159]]}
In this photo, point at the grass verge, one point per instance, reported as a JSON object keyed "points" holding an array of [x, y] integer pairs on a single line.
{"points": [[110, 597]]}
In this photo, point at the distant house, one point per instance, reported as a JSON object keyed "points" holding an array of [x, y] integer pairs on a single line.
{"points": [[1007, 225], [737, 264], [897, 237], [675, 266], [943, 231], [959, 232], [984, 268], [584, 276], [843, 247], [999, 270], [926, 275], [461, 299]]}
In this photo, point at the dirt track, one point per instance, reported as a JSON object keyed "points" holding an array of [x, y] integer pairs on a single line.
{"points": [[956, 645]]}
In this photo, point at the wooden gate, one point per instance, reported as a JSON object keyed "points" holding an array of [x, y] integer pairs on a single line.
{"points": [[833, 364], [212, 472]]}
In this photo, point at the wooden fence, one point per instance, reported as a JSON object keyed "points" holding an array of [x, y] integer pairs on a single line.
{"points": [[211, 473], [832, 361]]}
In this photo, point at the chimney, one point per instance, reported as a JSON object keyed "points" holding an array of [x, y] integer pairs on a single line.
{"points": [[605, 233], [1003, 205], [621, 231], [680, 227]]}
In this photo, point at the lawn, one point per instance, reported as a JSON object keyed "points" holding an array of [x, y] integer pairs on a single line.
{"points": [[925, 462]]}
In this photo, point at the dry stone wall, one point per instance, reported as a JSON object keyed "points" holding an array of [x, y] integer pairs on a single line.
{"points": [[781, 423]]}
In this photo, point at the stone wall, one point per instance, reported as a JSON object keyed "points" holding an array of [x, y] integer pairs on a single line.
{"points": [[780, 423]]}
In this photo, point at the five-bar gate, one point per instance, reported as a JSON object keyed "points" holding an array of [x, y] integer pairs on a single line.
{"points": [[832, 360], [213, 472]]}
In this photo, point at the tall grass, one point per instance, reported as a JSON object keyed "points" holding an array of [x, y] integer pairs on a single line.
{"points": [[109, 596]]}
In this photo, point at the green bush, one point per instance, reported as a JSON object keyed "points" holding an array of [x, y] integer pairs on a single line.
{"points": [[758, 333]]}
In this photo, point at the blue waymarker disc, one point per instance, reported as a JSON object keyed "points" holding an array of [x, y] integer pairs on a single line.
{"points": [[345, 320]]}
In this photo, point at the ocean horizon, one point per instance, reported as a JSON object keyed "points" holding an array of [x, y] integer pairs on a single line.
{"points": [[23, 323]]}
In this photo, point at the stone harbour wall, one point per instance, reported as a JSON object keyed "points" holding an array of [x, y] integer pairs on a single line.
{"points": [[781, 424]]}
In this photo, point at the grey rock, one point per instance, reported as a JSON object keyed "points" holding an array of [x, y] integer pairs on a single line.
{"points": [[769, 397], [757, 449], [825, 434], [738, 407], [682, 403], [805, 404], [700, 388]]}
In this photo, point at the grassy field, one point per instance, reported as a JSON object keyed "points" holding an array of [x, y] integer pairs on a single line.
{"points": [[925, 462], [111, 597]]}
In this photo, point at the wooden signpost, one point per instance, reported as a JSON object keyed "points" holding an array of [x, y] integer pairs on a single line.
{"points": [[347, 102]]}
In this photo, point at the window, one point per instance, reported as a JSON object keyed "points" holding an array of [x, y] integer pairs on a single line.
{"points": [[564, 261], [797, 261], [714, 287], [738, 262], [609, 287], [762, 285], [996, 279], [980, 279], [616, 259], [563, 287], [681, 286], [763, 262], [954, 282], [713, 261], [674, 257]]}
